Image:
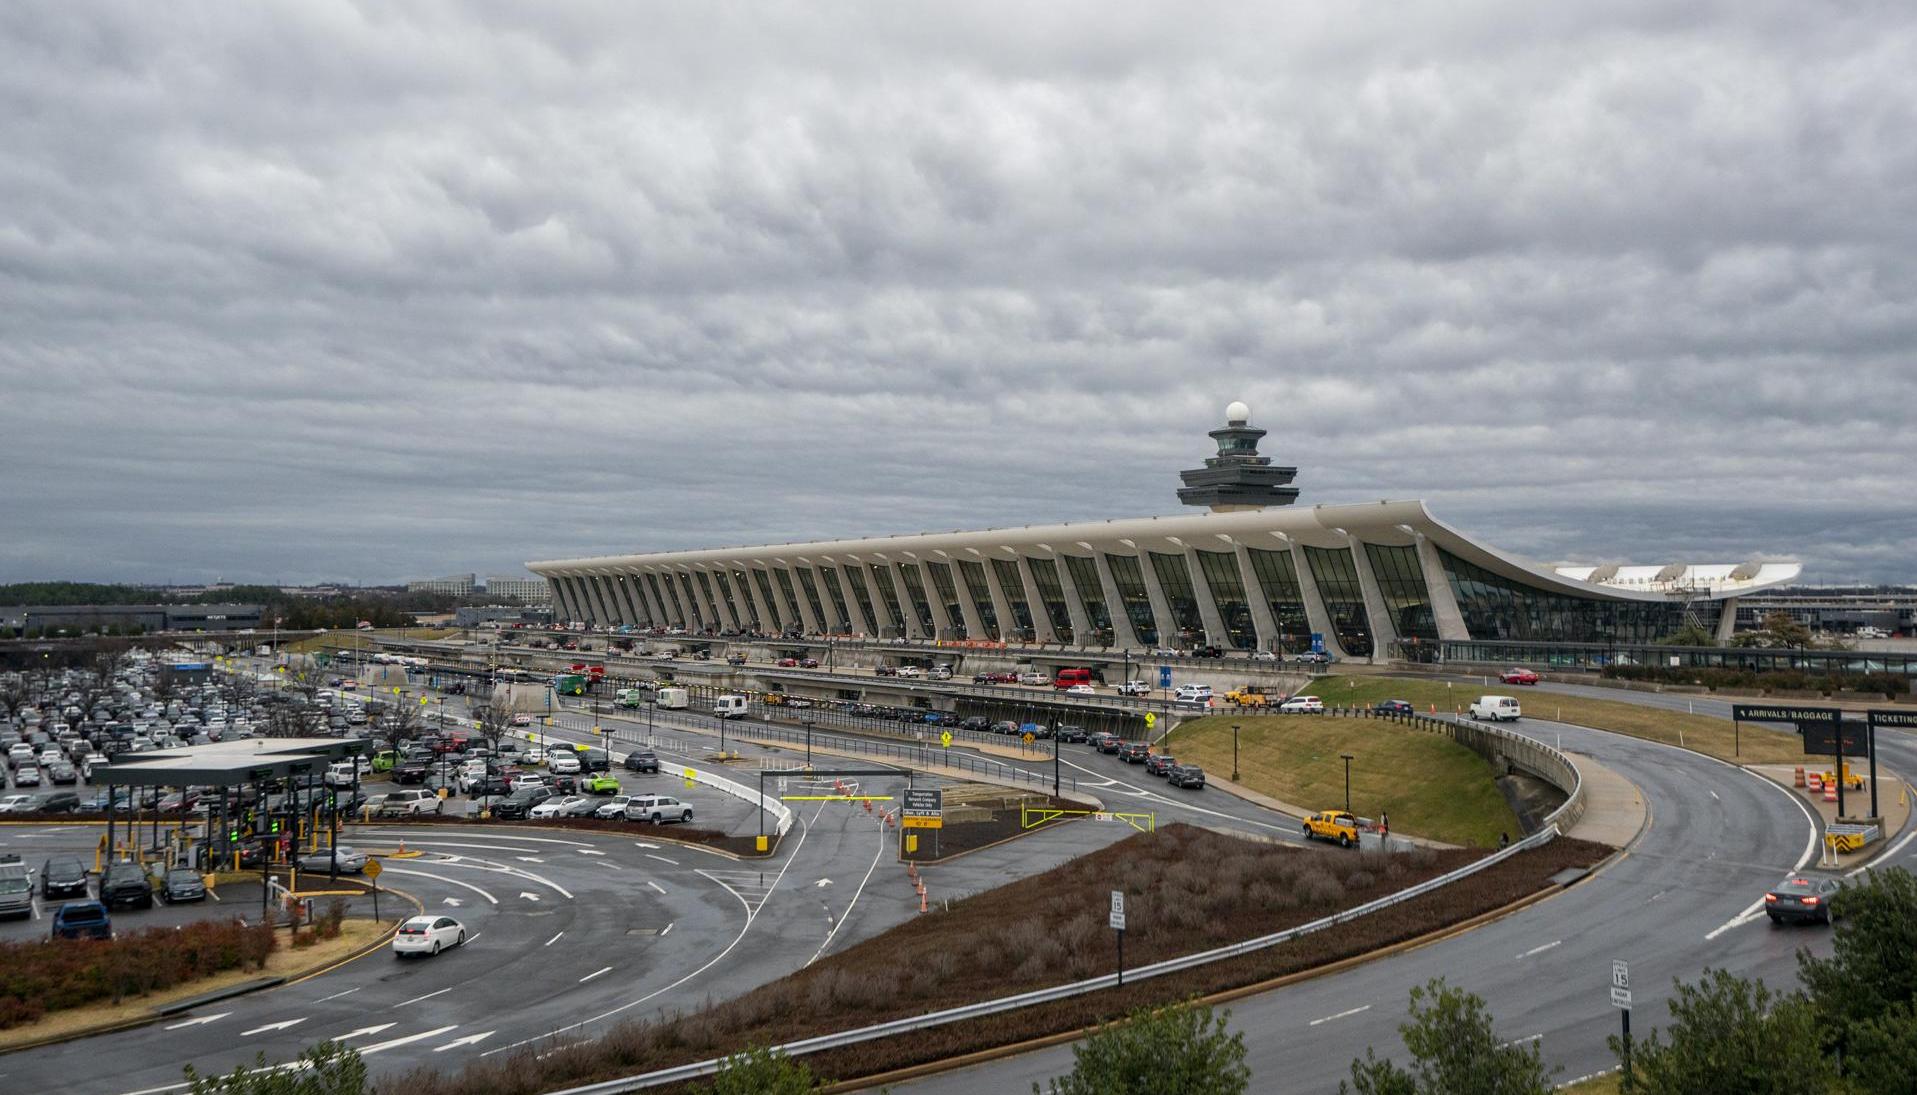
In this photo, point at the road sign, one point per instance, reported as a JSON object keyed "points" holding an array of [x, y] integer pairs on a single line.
{"points": [[1620, 998], [690, 777], [1317, 642], [1620, 984], [923, 808], [1150, 720], [372, 868], [1118, 910], [1030, 737], [1164, 676], [945, 739]]}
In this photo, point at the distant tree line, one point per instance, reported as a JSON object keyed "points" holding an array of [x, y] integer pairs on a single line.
{"points": [[295, 612]]}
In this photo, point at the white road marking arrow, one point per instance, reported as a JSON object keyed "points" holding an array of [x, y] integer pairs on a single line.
{"points": [[469, 1040], [641, 844], [362, 1030], [453, 901], [529, 896], [823, 883], [199, 1021], [273, 1026], [410, 1038], [589, 851], [529, 859]]}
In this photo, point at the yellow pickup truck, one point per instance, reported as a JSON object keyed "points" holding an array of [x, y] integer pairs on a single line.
{"points": [[1334, 825]]}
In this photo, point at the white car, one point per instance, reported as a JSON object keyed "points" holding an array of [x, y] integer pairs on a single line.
{"points": [[1034, 678], [533, 755], [563, 764], [17, 804], [1264, 656], [614, 809], [522, 720], [911, 671], [1192, 693], [1081, 690], [428, 935], [1302, 705], [553, 806], [530, 779]]}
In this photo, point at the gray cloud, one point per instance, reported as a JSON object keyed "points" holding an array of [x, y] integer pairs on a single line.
{"points": [[315, 289]]}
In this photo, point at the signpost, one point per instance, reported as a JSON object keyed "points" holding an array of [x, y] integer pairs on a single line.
{"points": [[1117, 921], [924, 808], [1164, 676], [1823, 729], [371, 871], [1905, 720], [1621, 999]]}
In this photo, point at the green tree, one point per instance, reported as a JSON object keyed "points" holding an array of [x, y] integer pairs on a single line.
{"points": [[759, 1071], [1691, 634], [1453, 1050], [1729, 1036], [1183, 1049], [1872, 969], [325, 1069], [1882, 1053]]}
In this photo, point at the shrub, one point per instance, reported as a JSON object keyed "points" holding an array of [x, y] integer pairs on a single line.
{"points": [[53, 975]]}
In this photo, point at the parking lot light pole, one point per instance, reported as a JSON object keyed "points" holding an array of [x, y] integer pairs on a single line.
{"points": [[1234, 756], [808, 743], [1348, 758]]}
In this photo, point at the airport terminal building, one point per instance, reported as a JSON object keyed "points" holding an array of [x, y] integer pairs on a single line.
{"points": [[1378, 580]]}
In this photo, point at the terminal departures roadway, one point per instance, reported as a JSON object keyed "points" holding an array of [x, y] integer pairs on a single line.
{"points": [[1716, 837]]}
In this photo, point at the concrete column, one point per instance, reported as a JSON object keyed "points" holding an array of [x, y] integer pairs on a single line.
{"points": [[597, 611], [615, 600], [882, 622], [738, 600], [1161, 608], [622, 586], [1208, 613], [806, 618], [651, 597], [1124, 635], [1074, 608], [562, 594], [1315, 611], [1384, 630], [1041, 616], [1444, 600], [727, 621], [1727, 623], [703, 594], [1262, 620]]}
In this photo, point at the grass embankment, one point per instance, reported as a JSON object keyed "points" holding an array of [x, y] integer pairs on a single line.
{"points": [[1188, 889], [1710, 736], [1430, 785], [285, 961]]}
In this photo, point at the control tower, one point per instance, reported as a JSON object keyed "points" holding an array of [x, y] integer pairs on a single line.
{"points": [[1238, 478]]}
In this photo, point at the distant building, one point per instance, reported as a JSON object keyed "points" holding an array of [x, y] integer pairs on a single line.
{"points": [[81, 619], [474, 615], [453, 585], [525, 590]]}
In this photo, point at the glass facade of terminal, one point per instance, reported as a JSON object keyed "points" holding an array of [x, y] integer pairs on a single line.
{"points": [[834, 592], [1336, 574], [1132, 594], [790, 596], [1052, 593], [855, 582], [889, 595], [1091, 594], [915, 592], [1013, 583], [705, 591], [811, 589], [1496, 607], [1277, 578], [1401, 585], [1175, 579], [1220, 569], [943, 585], [742, 610], [981, 594]]}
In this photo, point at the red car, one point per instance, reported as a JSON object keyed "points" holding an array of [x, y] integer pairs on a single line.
{"points": [[788, 663], [1519, 676]]}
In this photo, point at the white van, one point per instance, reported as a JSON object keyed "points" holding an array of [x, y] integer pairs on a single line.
{"points": [[1496, 709], [730, 707], [672, 698]]}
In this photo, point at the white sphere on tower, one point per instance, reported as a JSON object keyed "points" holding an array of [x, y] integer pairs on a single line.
{"points": [[1238, 413]]}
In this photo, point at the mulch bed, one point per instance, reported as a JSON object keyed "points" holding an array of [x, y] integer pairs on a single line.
{"points": [[1188, 890], [970, 836]]}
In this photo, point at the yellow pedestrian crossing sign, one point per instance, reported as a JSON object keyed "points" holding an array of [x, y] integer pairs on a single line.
{"points": [[945, 739], [1150, 719]]}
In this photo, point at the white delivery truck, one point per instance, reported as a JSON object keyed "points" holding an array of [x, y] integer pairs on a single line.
{"points": [[1496, 709], [672, 698], [730, 707], [631, 697]]}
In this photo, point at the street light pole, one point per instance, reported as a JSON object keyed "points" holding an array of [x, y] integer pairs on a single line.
{"points": [[808, 743], [1234, 756], [1348, 758], [1054, 756]]}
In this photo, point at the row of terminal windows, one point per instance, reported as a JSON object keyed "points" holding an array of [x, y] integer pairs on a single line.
{"points": [[1493, 607]]}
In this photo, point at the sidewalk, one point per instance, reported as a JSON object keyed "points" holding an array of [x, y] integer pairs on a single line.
{"points": [[1893, 798], [1614, 810]]}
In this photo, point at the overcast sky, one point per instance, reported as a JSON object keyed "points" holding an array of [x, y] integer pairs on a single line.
{"points": [[314, 290]]}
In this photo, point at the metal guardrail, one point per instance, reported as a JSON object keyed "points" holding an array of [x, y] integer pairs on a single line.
{"points": [[1066, 991]]}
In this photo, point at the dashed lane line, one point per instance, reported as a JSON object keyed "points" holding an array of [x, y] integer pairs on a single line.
{"points": [[1340, 1015]]}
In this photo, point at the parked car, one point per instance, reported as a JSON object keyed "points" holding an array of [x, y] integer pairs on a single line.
{"points": [[600, 784], [1334, 825], [1496, 709], [1393, 707], [351, 860], [410, 804], [1518, 676], [642, 760], [1188, 776], [520, 803], [182, 884], [58, 802], [658, 809], [1192, 693], [613, 808], [1081, 690], [1074, 734], [63, 876], [557, 806], [411, 771], [427, 935], [124, 885], [82, 920], [1799, 898], [19, 804], [16, 887], [1302, 705]]}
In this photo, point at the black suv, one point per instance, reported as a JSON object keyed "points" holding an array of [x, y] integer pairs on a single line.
{"points": [[1134, 752], [976, 723], [125, 885], [1074, 734], [1110, 743], [1187, 775], [1393, 707], [63, 876], [520, 802], [642, 760], [1160, 764], [411, 771]]}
